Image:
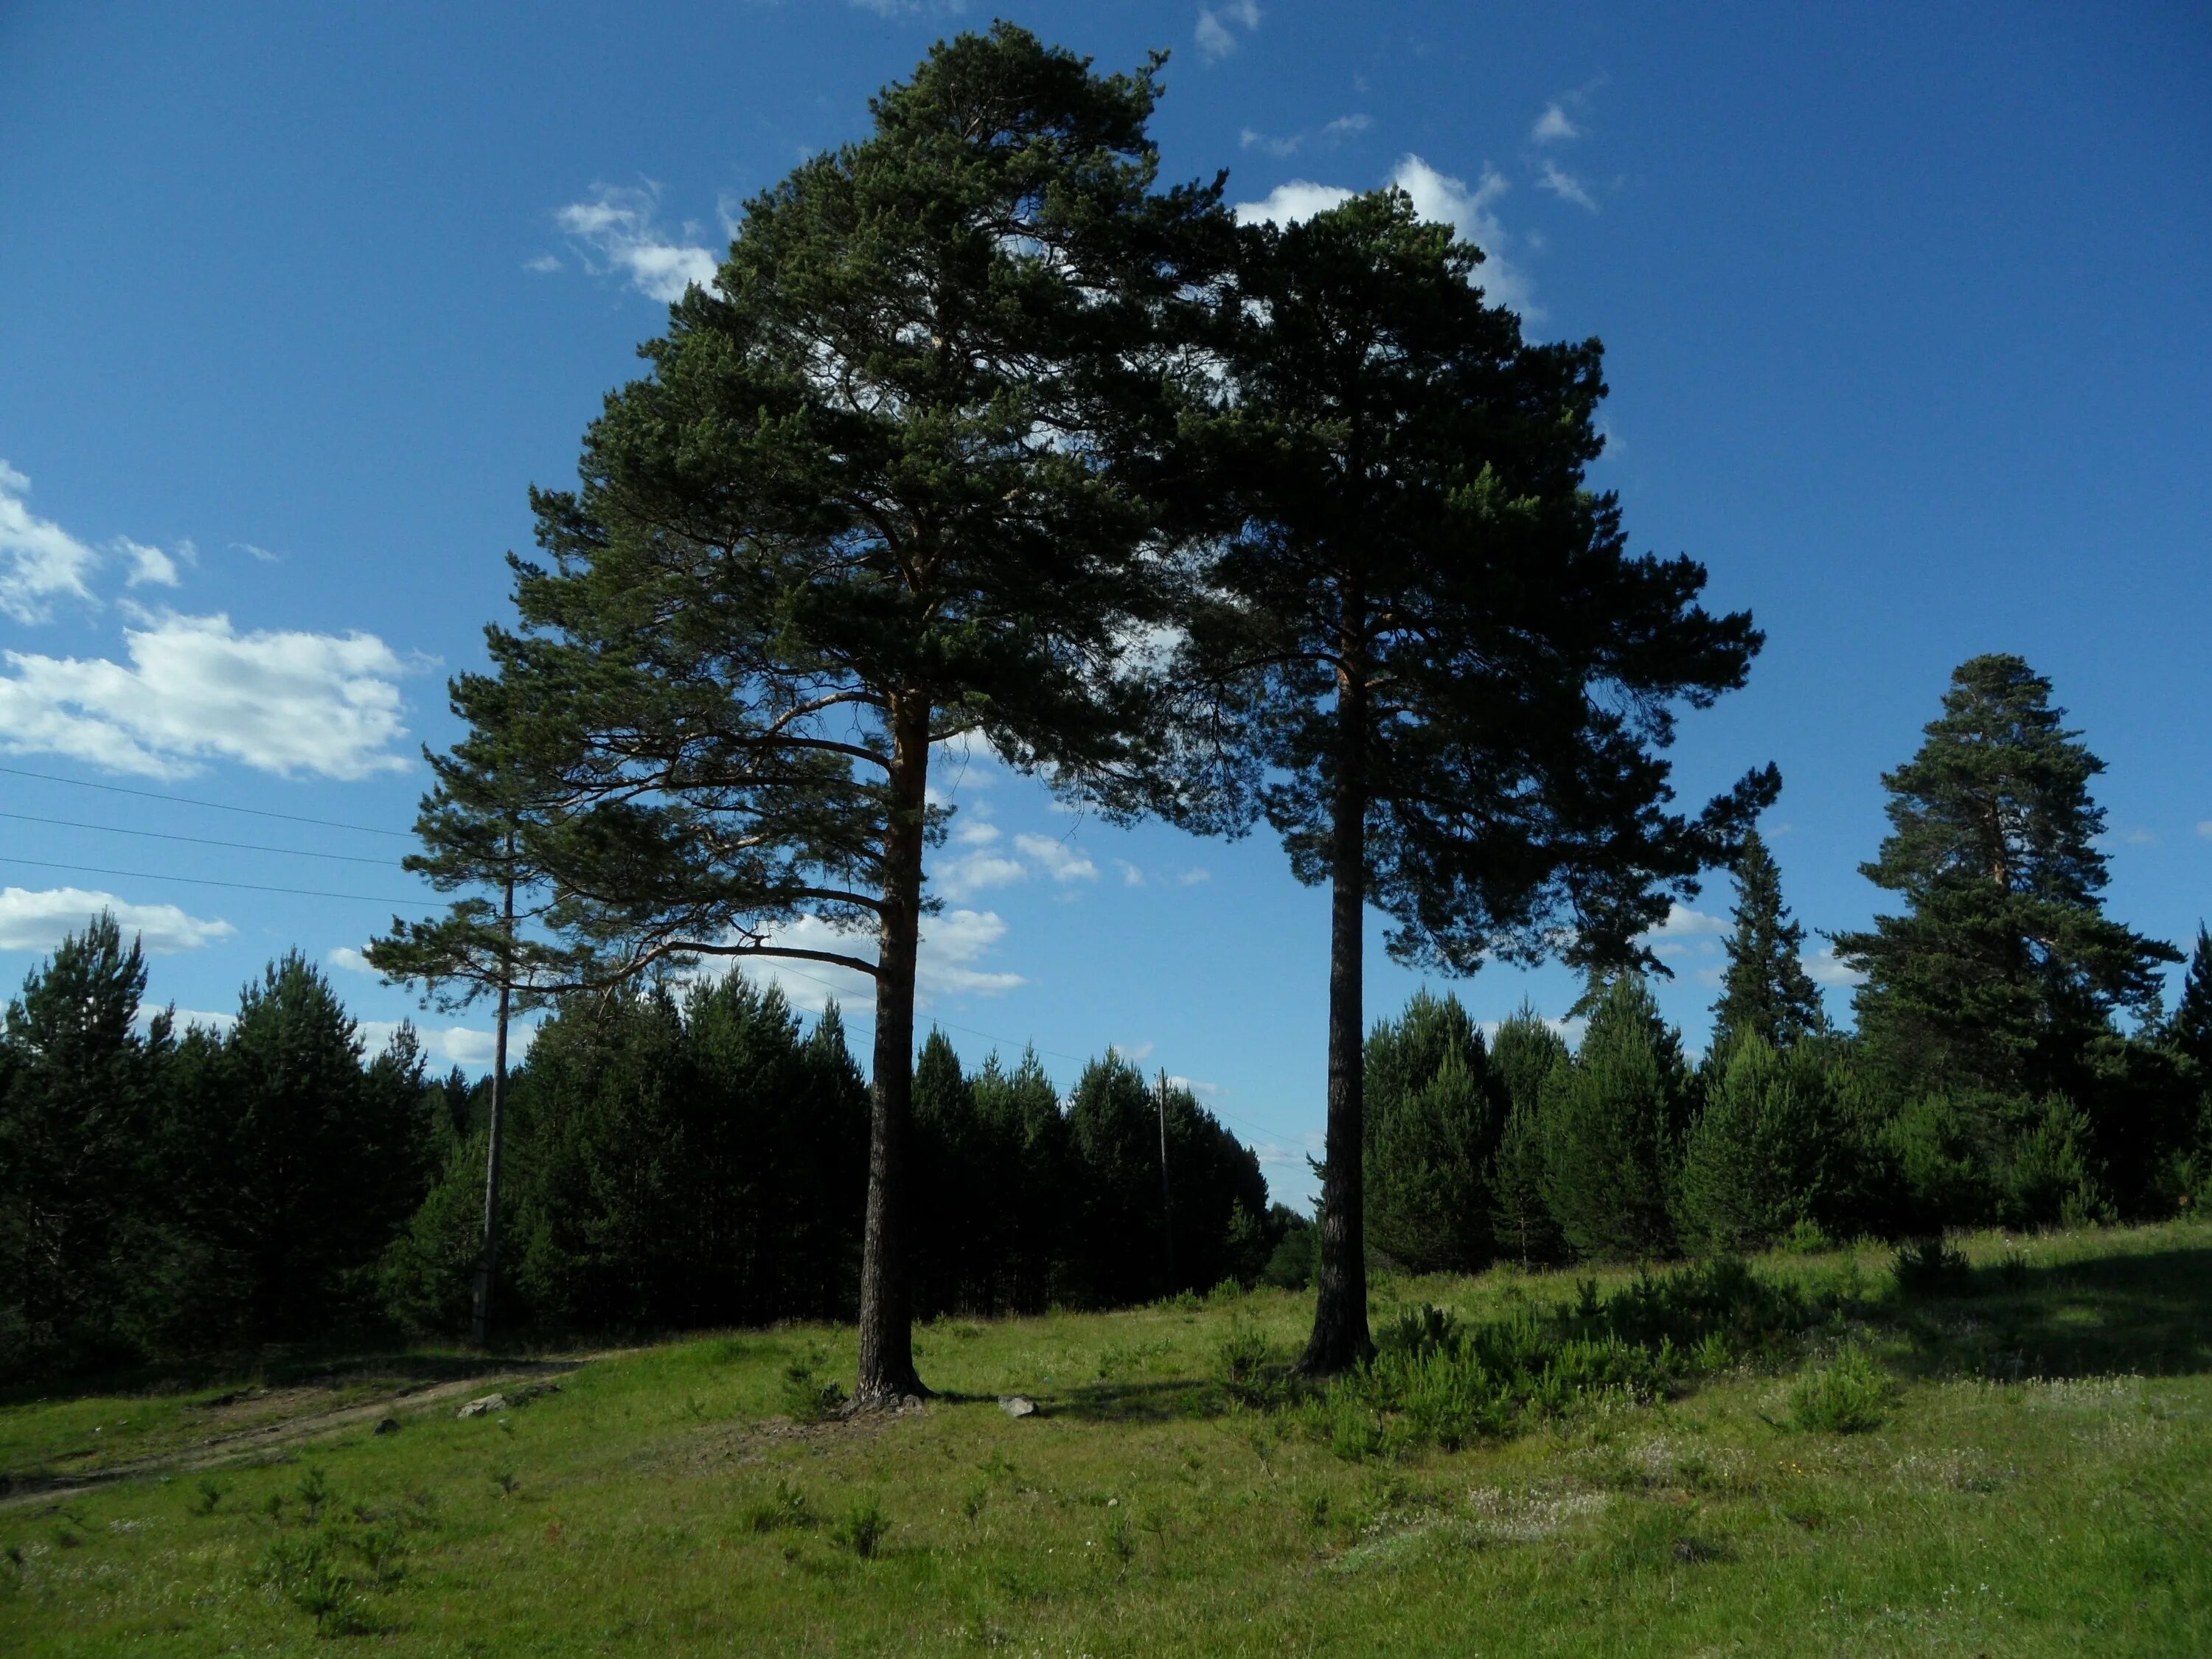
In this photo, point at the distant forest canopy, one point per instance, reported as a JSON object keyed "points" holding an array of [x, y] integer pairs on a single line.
{"points": [[680, 1157]]}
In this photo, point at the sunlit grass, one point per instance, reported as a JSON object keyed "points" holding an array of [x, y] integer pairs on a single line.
{"points": [[2027, 1470]]}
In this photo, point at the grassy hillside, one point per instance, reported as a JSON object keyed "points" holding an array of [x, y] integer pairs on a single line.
{"points": [[2012, 1460]]}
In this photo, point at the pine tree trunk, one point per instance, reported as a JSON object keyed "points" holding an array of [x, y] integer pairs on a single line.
{"points": [[886, 1372], [1340, 1339]]}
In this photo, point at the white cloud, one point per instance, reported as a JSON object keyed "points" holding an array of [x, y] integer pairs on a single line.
{"points": [[456, 1045], [954, 944], [1345, 126], [1215, 38], [1447, 200], [965, 874], [1250, 139], [1683, 922], [543, 264], [1059, 860], [261, 553], [36, 921], [1193, 877], [1565, 185], [1554, 126], [147, 564], [195, 689], [1133, 1052], [1195, 1086], [1131, 875], [352, 961], [619, 226], [1437, 196], [1825, 970], [1290, 203], [2204, 827], [40, 561], [1570, 1031]]}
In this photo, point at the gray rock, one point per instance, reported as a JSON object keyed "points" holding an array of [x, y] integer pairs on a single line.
{"points": [[1017, 1405], [490, 1402], [389, 1426]]}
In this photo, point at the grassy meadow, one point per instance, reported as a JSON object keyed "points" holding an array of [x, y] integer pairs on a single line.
{"points": [[2010, 1457]]}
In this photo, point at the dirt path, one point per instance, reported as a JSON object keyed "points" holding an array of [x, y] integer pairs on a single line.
{"points": [[265, 1442]]}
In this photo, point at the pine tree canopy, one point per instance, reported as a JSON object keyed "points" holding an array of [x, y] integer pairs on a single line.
{"points": [[1767, 992], [1421, 601], [2003, 966]]}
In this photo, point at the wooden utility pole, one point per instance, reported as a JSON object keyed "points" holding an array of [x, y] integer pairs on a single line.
{"points": [[488, 1259], [1167, 1205]]}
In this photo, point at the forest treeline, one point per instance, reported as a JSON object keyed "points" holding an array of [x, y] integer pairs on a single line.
{"points": [[691, 1156], [675, 1158]]}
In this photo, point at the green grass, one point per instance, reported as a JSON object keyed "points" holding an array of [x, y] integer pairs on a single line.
{"points": [[2014, 1459]]}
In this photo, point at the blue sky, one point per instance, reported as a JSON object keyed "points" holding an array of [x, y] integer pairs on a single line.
{"points": [[1905, 308]]}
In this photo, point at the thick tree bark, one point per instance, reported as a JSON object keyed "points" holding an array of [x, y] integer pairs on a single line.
{"points": [[887, 1375], [1340, 1339]]}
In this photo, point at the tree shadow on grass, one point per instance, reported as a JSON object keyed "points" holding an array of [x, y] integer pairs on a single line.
{"points": [[1171, 1400], [2148, 1314]]}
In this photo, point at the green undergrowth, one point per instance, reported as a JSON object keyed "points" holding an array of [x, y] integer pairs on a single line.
{"points": [[2004, 1450]]}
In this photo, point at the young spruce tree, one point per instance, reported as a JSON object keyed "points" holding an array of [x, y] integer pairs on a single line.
{"points": [[1767, 993]]}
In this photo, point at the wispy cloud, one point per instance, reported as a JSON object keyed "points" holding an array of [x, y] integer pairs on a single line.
{"points": [[150, 564], [37, 920], [1215, 38], [40, 561], [195, 688], [1346, 125], [262, 554], [619, 229], [1059, 860], [954, 946], [1554, 126], [1565, 185]]}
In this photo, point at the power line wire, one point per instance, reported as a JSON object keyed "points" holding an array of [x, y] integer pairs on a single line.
{"points": [[204, 881], [200, 840], [366, 898], [211, 805]]}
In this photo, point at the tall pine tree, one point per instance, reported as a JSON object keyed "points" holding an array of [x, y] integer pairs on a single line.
{"points": [[1767, 993], [1424, 651], [2003, 968], [885, 486]]}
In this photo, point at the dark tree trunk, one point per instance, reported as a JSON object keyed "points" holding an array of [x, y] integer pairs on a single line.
{"points": [[886, 1372], [1340, 1339]]}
